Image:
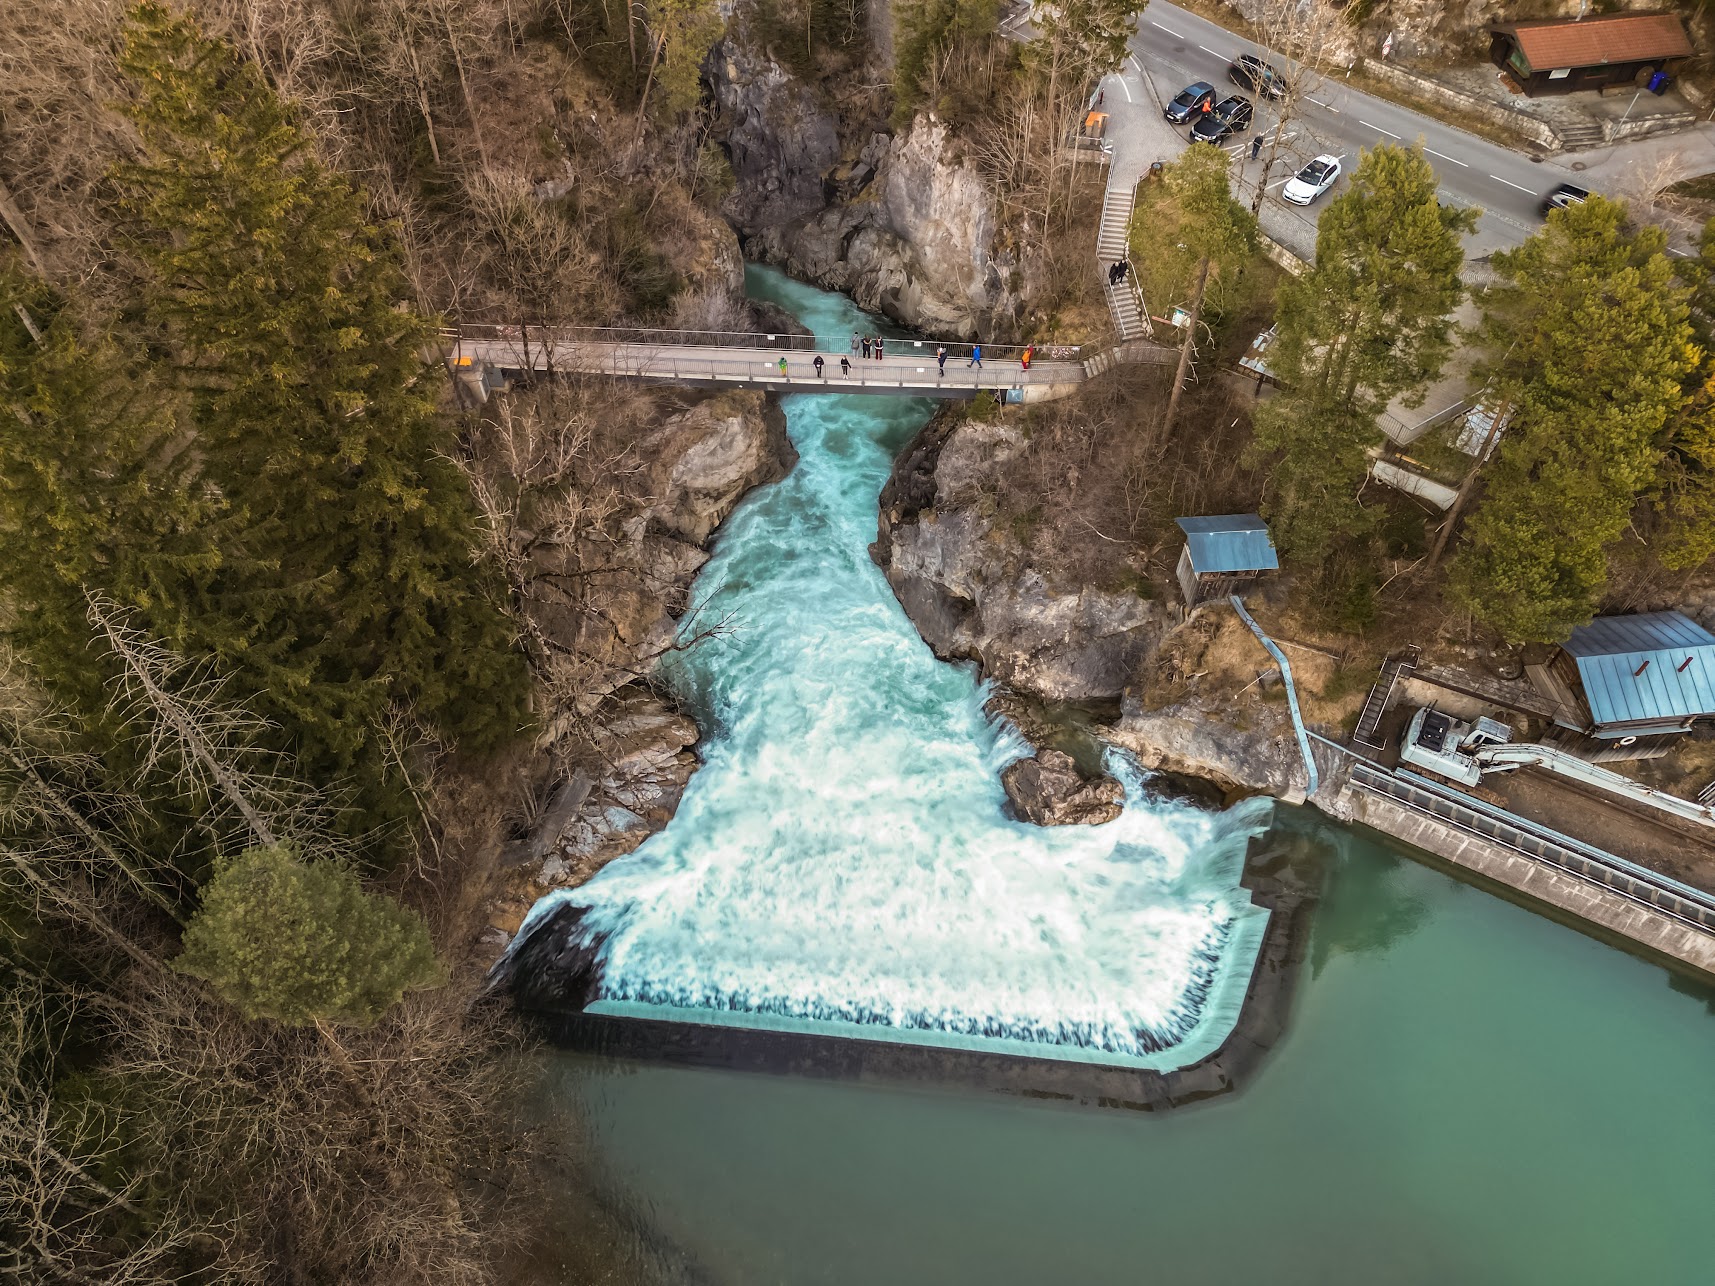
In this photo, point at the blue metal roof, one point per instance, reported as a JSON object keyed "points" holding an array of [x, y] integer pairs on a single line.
{"points": [[1229, 543], [1656, 665]]}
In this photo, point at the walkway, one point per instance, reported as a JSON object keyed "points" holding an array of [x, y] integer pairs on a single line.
{"points": [[477, 354]]}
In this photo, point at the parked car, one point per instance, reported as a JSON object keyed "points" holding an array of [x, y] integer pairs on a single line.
{"points": [[1190, 101], [1231, 116], [1564, 195], [1312, 181], [1247, 71]]}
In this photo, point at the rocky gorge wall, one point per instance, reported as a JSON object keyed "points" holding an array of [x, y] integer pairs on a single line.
{"points": [[634, 752], [899, 222], [971, 586]]}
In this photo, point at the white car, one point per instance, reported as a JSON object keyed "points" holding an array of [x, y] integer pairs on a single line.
{"points": [[1312, 181]]}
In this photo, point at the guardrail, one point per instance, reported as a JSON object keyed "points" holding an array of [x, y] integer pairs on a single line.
{"points": [[1473, 816], [530, 337]]}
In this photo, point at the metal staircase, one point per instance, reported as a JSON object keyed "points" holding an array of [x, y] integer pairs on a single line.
{"points": [[1125, 301], [1381, 692]]}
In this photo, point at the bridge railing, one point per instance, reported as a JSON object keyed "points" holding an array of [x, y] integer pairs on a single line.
{"points": [[550, 338]]}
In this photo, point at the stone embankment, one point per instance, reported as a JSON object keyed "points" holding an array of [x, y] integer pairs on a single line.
{"points": [[635, 746]]}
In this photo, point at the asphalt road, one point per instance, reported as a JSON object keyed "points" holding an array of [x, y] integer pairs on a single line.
{"points": [[1172, 48]]}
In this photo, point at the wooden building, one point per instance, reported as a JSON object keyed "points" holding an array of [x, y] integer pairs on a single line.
{"points": [[1562, 55], [1222, 554], [1626, 687]]}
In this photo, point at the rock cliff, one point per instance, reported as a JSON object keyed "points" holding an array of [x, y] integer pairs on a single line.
{"points": [[633, 748], [971, 588], [901, 223], [970, 584]]}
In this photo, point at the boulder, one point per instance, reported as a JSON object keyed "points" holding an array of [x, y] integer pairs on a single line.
{"points": [[1048, 789], [703, 460]]}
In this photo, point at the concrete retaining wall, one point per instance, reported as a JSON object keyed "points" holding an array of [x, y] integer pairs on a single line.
{"points": [[1579, 899], [1527, 127]]}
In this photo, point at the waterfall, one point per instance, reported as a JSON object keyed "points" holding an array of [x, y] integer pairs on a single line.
{"points": [[842, 861]]}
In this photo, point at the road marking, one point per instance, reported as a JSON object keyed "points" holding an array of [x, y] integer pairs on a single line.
{"points": [[1208, 50], [1127, 89], [1445, 157], [1377, 128], [1325, 106], [1169, 31], [1287, 179], [1498, 179]]}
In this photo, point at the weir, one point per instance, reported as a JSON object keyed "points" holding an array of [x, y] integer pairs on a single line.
{"points": [[843, 864]]}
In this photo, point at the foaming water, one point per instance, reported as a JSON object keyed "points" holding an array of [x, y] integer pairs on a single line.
{"points": [[842, 859]]}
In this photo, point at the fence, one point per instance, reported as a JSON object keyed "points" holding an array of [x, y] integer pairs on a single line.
{"points": [[536, 338], [1474, 817]]}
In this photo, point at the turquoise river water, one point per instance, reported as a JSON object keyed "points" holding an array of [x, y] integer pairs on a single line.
{"points": [[1469, 1093]]}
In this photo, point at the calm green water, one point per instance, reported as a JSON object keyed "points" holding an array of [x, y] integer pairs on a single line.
{"points": [[1470, 1094]]}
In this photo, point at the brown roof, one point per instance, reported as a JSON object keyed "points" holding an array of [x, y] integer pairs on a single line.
{"points": [[1618, 38]]}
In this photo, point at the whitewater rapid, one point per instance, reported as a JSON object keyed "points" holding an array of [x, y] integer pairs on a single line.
{"points": [[842, 859]]}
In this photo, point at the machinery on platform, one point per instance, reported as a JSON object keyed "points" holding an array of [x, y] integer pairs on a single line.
{"points": [[1465, 752], [1448, 747]]}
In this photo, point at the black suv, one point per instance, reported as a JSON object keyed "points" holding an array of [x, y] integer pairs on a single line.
{"points": [[1247, 71], [1231, 116], [1190, 101], [1564, 195]]}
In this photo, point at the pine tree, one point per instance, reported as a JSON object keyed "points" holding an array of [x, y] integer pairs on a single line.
{"points": [[1685, 482], [304, 942], [1589, 344], [1370, 322], [1189, 237], [315, 417], [96, 492]]}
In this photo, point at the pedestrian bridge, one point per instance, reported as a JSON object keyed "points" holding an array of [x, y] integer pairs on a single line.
{"points": [[486, 358]]}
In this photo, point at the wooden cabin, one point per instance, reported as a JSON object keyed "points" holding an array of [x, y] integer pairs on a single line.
{"points": [[1563, 55], [1222, 555], [1626, 687]]}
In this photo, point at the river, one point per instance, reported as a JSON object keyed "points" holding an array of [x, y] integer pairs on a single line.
{"points": [[1469, 1093]]}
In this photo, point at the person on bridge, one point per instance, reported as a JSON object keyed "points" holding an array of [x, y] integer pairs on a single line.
{"points": [[846, 367], [878, 348], [854, 343], [818, 365], [976, 357], [783, 366], [1029, 352], [941, 358], [866, 348]]}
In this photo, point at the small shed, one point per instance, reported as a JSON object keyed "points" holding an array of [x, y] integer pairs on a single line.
{"points": [[1222, 553], [1562, 55], [1620, 678]]}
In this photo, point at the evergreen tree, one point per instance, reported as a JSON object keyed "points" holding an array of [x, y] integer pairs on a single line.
{"points": [[1685, 482], [96, 492], [1588, 343], [304, 943], [1188, 237], [1369, 322], [681, 33], [315, 418]]}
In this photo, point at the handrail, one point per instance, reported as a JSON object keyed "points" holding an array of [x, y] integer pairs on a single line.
{"points": [[1539, 843], [551, 337]]}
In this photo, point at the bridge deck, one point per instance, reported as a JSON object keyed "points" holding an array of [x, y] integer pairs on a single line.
{"points": [[909, 371]]}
